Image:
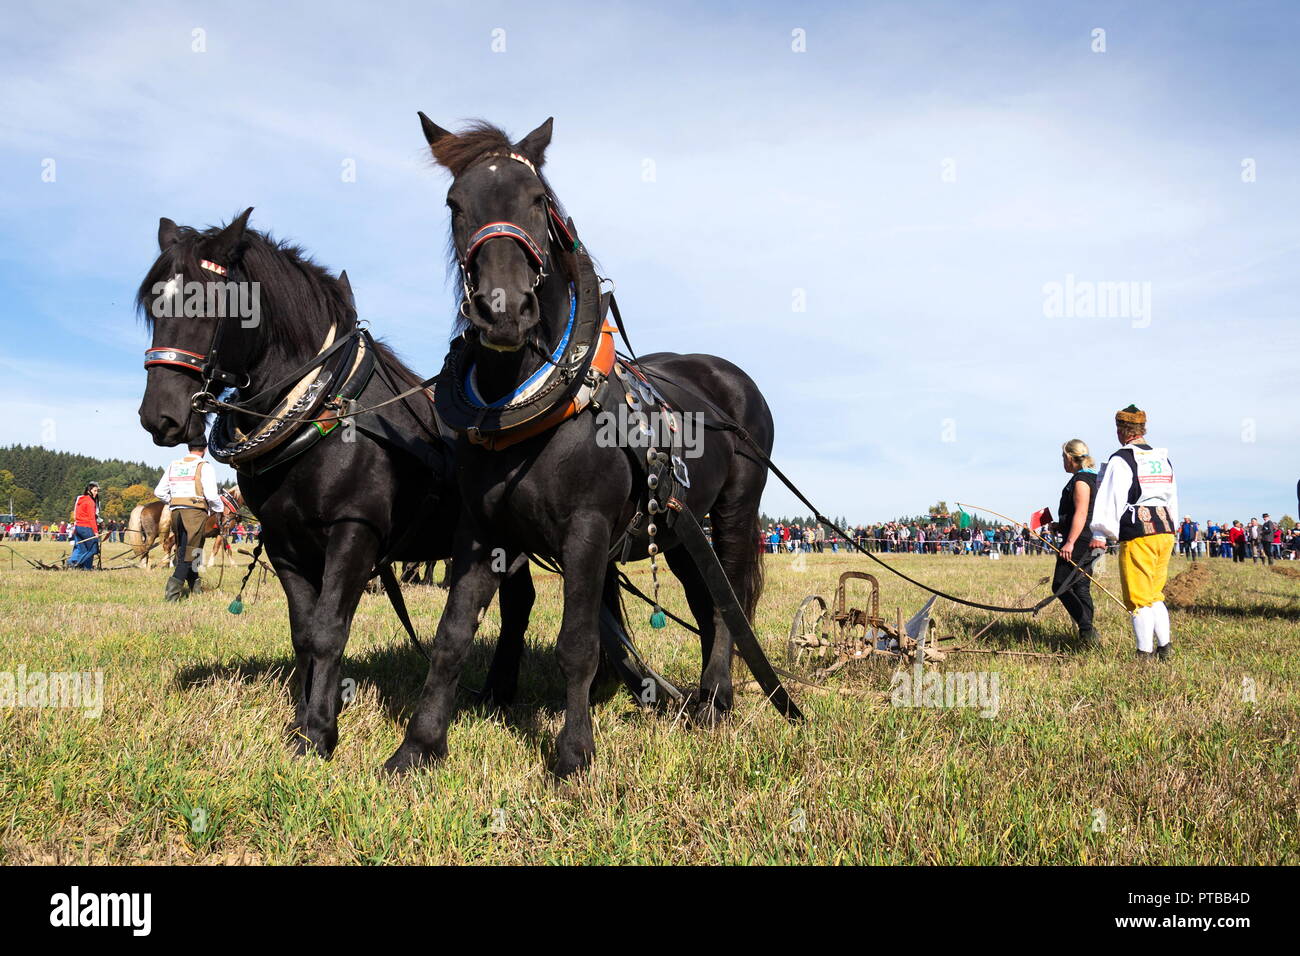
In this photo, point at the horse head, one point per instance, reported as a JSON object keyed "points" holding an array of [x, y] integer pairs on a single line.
{"points": [[498, 193], [228, 307]]}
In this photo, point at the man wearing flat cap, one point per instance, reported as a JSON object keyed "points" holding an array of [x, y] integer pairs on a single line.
{"points": [[1137, 499]]}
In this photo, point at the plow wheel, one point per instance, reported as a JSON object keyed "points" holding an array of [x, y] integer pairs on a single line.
{"points": [[807, 630]]}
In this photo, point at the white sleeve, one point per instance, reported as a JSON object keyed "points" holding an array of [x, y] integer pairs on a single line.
{"points": [[210, 490], [163, 489], [1112, 498]]}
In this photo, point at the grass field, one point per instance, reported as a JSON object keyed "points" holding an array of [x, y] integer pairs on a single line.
{"points": [[1091, 759]]}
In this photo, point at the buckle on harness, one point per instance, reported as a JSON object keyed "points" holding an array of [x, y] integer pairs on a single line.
{"points": [[680, 472]]}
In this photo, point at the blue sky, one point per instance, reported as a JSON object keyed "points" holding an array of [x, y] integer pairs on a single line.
{"points": [[916, 177]]}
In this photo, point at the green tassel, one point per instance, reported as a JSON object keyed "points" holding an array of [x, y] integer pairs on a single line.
{"points": [[658, 620], [236, 606]]}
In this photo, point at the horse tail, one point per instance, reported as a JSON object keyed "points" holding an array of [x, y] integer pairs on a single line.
{"points": [[751, 572]]}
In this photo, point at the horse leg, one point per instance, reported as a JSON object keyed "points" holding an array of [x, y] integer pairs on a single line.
{"points": [[350, 555], [715, 695], [473, 583], [516, 597], [302, 594], [578, 646]]}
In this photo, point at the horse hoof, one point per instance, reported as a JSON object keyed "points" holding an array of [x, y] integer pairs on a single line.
{"points": [[569, 764], [495, 695], [405, 759], [708, 715], [304, 744]]}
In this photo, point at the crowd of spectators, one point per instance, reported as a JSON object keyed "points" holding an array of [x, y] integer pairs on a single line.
{"points": [[1262, 540], [53, 531], [116, 530], [903, 537]]}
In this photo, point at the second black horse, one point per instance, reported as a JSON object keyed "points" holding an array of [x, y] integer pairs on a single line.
{"points": [[562, 492]]}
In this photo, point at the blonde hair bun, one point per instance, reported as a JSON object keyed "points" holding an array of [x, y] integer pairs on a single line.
{"points": [[1076, 449]]}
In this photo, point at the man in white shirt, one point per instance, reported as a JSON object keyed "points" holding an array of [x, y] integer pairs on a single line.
{"points": [[189, 488], [1137, 499]]}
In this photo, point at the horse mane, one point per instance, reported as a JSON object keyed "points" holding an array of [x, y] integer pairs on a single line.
{"points": [[291, 287]]}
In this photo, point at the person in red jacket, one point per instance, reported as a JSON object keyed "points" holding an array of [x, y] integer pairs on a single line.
{"points": [[85, 531], [1237, 538]]}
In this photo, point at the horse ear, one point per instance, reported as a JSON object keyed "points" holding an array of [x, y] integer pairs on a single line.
{"points": [[432, 131], [167, 234], [346, 288], [224, 245], [534, 144]]}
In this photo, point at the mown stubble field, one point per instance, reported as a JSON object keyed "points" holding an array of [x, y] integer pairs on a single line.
{"points": [[1091, 759]]}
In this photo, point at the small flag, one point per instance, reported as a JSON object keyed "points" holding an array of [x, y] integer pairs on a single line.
{"points": [[1040, 518], [963, 519]]}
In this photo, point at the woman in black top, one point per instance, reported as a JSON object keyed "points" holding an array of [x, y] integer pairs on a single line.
{"points": [[1073, 521]]}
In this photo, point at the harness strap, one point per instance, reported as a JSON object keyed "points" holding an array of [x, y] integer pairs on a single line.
{"points": [[608, 302], [394, 591], [691, 535], [273, 390]]}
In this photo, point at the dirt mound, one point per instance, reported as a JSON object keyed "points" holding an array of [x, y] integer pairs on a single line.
{"points": [[1286, 571], [1184, 589]]}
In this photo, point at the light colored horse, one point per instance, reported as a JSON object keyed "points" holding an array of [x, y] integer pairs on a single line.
{"points": [[151, 524]]}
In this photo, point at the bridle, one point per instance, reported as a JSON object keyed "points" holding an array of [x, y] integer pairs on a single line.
{"points": [[535, 251], [204, 363]]}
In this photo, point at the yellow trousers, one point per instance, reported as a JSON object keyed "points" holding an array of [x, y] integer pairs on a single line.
{"points": [[1144, 569]]}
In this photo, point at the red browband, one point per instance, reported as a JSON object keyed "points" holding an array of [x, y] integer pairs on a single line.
{"points": [[169, 356]]}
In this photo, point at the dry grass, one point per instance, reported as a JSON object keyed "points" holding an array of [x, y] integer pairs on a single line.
{"points": [[1092, 760]]}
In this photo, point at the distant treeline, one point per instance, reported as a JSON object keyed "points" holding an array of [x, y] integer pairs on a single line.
{"points": [[43, 484]]}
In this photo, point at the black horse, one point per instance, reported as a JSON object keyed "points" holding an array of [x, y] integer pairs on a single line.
{"points": [[334, 500], [562, 493]]}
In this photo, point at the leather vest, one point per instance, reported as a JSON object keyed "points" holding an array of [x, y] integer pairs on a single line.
{"points": [[183, 481]]}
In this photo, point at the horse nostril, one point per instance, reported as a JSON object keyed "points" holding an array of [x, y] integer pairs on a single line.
{"points": [[527, 309], [483, 306]]}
